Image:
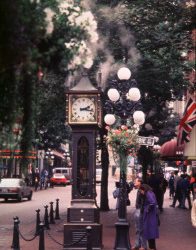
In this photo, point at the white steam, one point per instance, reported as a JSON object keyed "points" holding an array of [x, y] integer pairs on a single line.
{"points": [[49, 15]]}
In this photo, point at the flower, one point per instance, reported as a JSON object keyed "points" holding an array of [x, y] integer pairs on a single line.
{"points": [[123, 140]]}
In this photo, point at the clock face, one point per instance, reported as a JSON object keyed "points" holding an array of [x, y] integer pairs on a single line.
{"points": [[83, 109]]}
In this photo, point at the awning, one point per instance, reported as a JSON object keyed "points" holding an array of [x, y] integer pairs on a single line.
{"points": [[170, 151], [16, 154]]}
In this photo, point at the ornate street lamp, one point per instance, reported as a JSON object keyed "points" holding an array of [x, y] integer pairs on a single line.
{"points": [[50, 159], [124, 109]]}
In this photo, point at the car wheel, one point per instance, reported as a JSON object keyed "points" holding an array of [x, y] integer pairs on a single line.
{"points": [[30, 196], [6, 199]]}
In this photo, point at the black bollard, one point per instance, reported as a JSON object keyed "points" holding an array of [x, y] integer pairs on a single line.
{"points": [[41, 237], [46, 221], [15, 241], [89, 238], [52, 221], [57, 217], [37, 221]]}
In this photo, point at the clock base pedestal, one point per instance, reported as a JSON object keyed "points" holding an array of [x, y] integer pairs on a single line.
{"points": [[73, 232], [81, 214]]}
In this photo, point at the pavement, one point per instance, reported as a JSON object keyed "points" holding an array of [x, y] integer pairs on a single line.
{"points": [[176, 231]]}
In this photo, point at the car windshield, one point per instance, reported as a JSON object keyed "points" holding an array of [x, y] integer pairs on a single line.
{"points": [[9, 182]]}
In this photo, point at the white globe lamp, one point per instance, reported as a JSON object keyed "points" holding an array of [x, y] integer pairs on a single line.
{"points": [[124, 73], [109, 119], [134, 94], [113, 94], [139, 117], [140, 122]]}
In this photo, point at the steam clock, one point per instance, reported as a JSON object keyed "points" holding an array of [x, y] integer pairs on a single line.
{"points": [[83, 113]]}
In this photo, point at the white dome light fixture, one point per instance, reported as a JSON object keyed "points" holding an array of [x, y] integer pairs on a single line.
{"points": [[124, 73], [139, 117], [113, 94], [109, 119], [134, 94], [141, 122]]}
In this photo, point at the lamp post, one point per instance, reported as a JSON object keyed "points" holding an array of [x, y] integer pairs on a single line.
{"points": [[123, 108], [66, 154], [50, 157]]}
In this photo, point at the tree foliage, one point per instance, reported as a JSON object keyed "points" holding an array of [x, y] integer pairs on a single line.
{"points": [[26, 50]]}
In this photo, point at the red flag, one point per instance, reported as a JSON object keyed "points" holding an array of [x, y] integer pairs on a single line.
{"points": [[187, 122]]}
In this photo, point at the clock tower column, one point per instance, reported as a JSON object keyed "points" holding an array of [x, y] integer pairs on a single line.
{"points": [[83, 114]]}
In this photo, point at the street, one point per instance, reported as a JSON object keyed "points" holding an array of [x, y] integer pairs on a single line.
{"points": [[25, 210]]}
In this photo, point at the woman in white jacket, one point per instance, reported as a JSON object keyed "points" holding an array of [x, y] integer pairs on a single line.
{"points": [[193, 214]]}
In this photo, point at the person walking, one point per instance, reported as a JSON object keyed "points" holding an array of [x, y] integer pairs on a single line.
{"points": [[162, 189], [36, 179], [186, 188], [177, 190], [116, 194], [140, 242], [150, 216], [171, 186], [154, 182]]}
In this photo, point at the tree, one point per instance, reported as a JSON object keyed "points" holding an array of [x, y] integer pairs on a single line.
{"points": [[29, 45]]}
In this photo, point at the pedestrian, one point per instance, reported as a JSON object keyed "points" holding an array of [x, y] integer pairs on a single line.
{"points": [[194, 191], [193, 214], [162, 189], [154, 181], [116, 193], [150, 216], [177, 190], [171, 186], [37, 179], [186, 189], [192, 184], [140, 242]]}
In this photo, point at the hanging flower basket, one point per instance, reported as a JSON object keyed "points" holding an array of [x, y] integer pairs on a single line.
{"points": [[123, 141]]}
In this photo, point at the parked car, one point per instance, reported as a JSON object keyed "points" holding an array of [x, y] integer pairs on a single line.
{"points": [[58, 179], [14, 188]]}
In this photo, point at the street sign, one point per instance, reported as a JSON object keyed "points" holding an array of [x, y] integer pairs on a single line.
{"points": [[148, 141]]}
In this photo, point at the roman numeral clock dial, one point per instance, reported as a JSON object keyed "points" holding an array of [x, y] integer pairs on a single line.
{"points": [[83, 109]]}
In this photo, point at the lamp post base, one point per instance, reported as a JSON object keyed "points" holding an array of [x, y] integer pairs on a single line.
{"points": [[122, 241]]}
